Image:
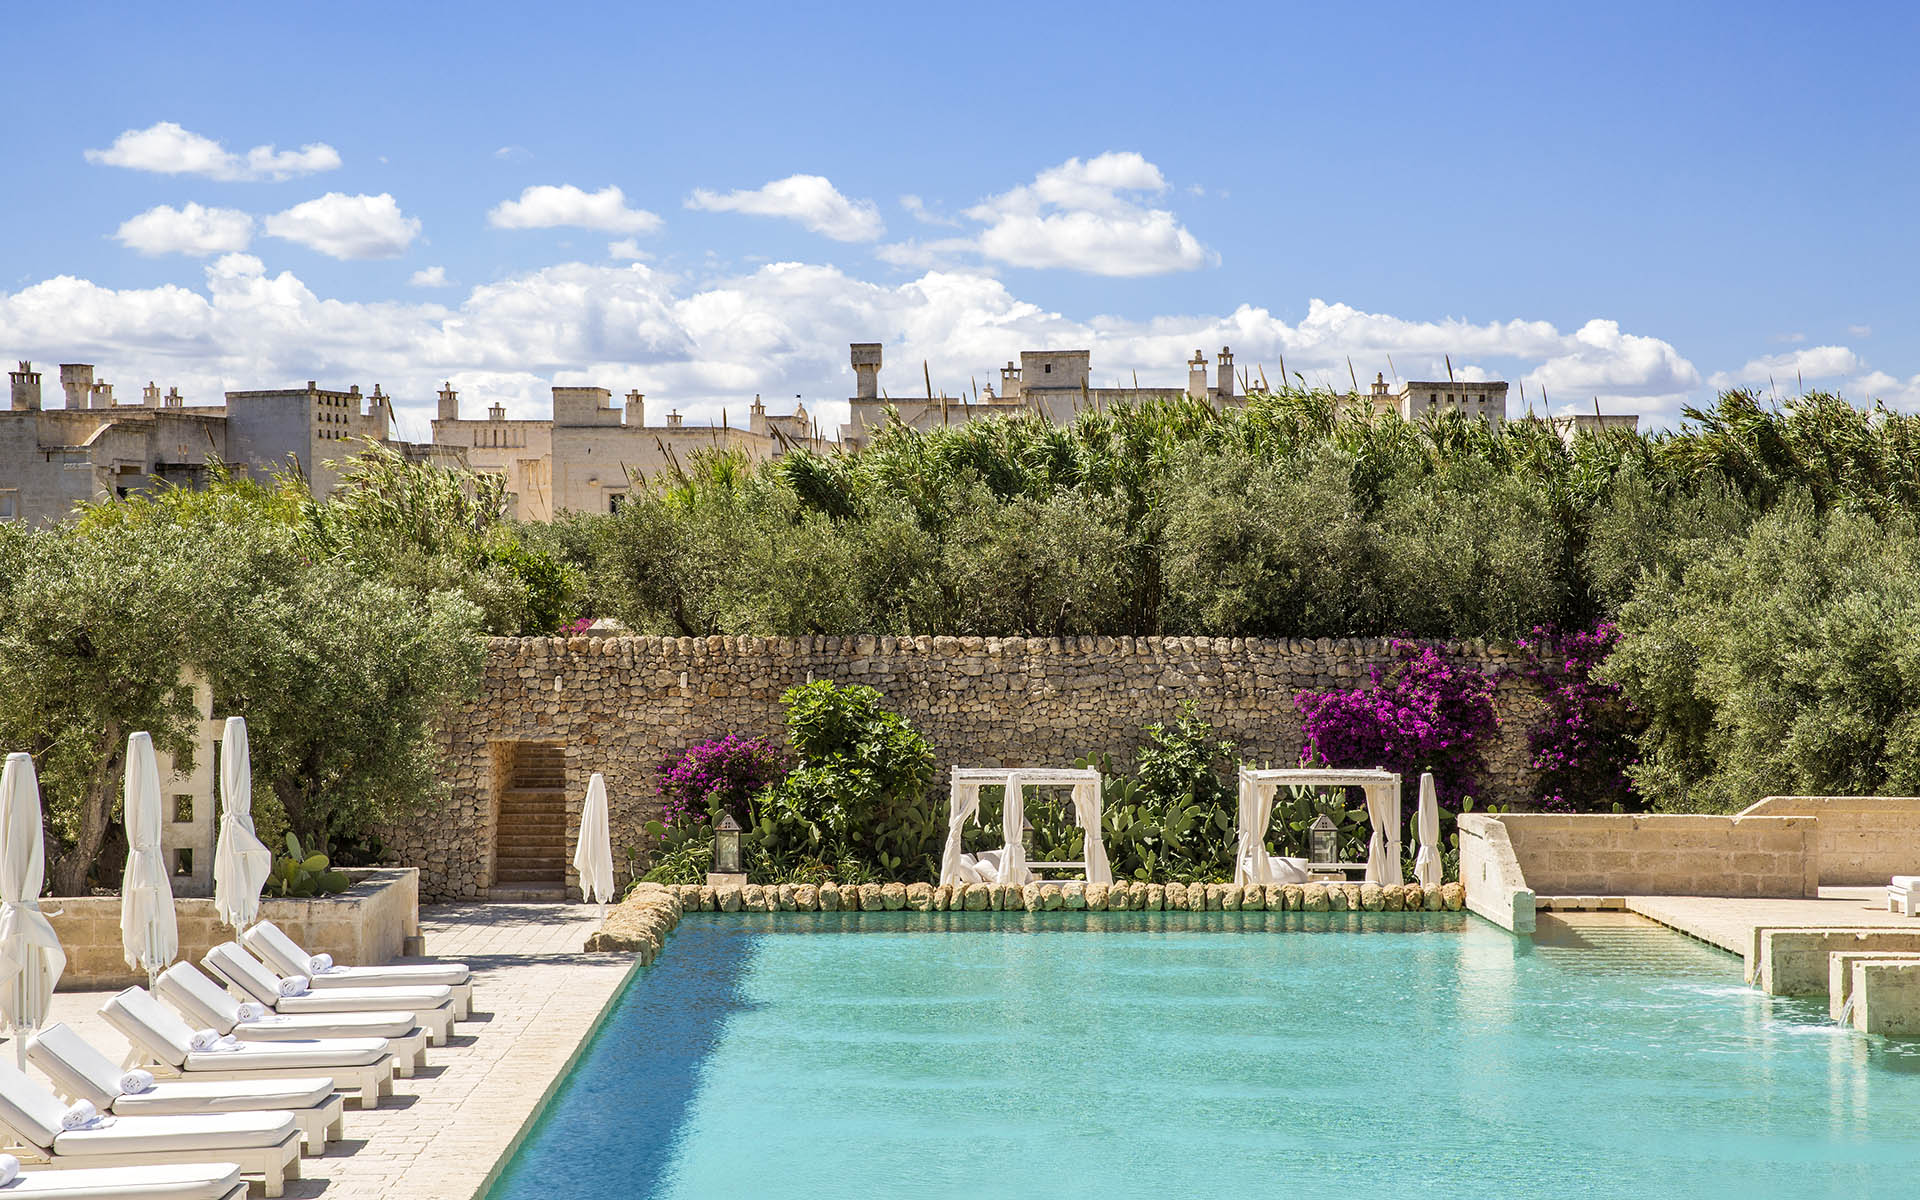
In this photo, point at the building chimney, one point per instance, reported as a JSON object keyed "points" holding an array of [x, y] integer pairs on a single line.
{"points": [[636, 413], [1225, 374], [866, 370], [498, 412], [76, 380], [26, 388], [102, 395], [1197, 376], [150, 394], [449, 402], [174, 399], [673, 419], [380, 413], [1009, 382]]}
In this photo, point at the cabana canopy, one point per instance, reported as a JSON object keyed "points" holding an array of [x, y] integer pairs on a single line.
{"points": [[1252, 863], [1009, 863]]}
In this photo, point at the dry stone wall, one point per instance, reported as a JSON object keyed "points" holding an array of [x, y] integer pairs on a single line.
{"points": [[623, 706]]}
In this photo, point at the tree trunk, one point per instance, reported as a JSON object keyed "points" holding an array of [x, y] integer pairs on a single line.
{"points": [[70, 868]]}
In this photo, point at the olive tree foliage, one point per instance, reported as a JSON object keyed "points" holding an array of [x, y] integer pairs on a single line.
{"points": [[95, 630], [1786, 660], [340, 667]]}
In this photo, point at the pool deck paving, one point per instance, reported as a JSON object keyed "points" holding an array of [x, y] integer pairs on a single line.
{"points": [[1729, 921], [441, 1133]]}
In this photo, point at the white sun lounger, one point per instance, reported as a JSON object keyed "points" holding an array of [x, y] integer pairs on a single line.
{"points": [[79, 1072], [1903, 895], [270, 944], [164, 1181], [266, 1144], [430, 1004], [206, 1005], [363, 1066]]}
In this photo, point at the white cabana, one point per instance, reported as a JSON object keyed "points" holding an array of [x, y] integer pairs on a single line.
{"points": [[1251, 860], [1426, 861], [593, 856], [1008, 864], [241, 863], [30, 956], [149, 935]]}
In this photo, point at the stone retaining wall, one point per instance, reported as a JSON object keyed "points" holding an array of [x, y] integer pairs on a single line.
{"points": [[622, 706], [367, 925], [1864, 840], [1607, 854]]}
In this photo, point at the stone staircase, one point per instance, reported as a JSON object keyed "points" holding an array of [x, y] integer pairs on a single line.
{"points": [[530, 841]]}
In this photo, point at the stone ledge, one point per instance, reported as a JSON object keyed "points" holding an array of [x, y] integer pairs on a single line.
{"points": [[1072, 896]]}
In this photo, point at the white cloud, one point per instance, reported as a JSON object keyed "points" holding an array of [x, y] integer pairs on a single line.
{"points": [[545, 206], [917, 208], [1789, 369], [190, 230], [1084, 215], [777, 330], [342, 226], [627, 249], [512, 153], [429, 277], [1860, 331], [167, 149], [812, 200]]}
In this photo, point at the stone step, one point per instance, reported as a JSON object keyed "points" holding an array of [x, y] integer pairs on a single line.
{"points": [[527, 893], [526, 875], [551, 857]]}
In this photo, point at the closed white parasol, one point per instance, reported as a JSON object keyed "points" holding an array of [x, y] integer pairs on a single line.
{"points": [[149, 936], [30, 956], [1426, 863], [240, 863], [593, 856]]}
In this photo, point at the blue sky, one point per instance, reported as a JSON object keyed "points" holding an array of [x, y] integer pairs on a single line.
{"points": [[1641, 203]]}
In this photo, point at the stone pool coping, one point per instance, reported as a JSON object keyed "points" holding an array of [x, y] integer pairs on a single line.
{"points": [[640, 924]]}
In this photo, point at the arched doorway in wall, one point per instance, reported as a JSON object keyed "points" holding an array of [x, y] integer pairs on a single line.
{"points": [[530, 823]]}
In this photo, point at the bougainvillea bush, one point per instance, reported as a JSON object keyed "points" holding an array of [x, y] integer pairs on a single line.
{"points": [[719, 773], [1423, 713], [1585, 745]]}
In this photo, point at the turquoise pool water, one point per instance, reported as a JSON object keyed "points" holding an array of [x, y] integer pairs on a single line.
{"points": [[1215, 1054]]}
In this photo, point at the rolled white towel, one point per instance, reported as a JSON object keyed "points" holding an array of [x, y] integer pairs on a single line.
{"points": [[293, 985], [321, 964], [136, 1081], [83, 1115], [250, 1011], [9, 1169], [203, 1039]]}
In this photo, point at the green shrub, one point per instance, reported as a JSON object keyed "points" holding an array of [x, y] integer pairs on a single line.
{"points": [[855, 802]]}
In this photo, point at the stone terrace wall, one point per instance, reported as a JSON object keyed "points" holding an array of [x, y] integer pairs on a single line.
{"points": [[1665, 854], [622, 706], [1864, 840]]}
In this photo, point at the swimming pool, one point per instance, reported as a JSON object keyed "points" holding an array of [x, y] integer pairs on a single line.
{"points": [[1214, 1054]]}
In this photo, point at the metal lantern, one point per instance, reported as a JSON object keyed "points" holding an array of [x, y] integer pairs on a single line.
{"points": [[1323, 841], [726, 846]]}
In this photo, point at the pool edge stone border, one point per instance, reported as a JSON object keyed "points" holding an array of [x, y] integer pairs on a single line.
{"points": [[639, 924]]}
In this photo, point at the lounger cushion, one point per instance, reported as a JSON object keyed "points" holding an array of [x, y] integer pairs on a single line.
{"points": [[184, 1181], [343, 999], [393, 975], [273, 947], [209, 1132], [176, 1098], [284, 1028], [297, 1056], [1905, 882]]}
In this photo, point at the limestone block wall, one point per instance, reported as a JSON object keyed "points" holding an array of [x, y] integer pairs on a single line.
{"points": [[1864, 840], [1496, 886], [364, 926], [623, 706], [1665, 855]]}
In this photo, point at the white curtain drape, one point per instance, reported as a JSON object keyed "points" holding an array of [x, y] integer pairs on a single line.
{"points": [[1013, 813], [1251, 862], [1086, 810], [1426, 862], [31, 959], [149, 934], [963, 803], [1383, 847]]}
